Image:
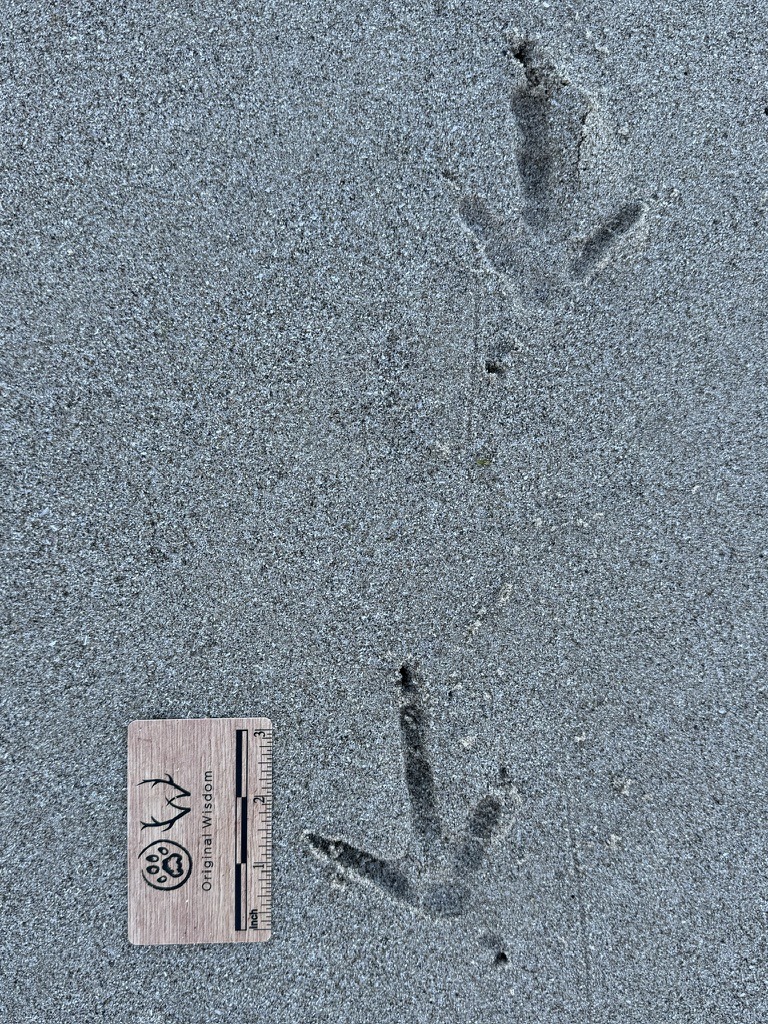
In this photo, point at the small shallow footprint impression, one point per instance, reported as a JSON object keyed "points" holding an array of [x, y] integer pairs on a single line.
{"points": [[447, 891], [541, 255]]}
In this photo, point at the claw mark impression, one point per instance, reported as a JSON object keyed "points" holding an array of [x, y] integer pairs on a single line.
{"points": [[446, 893]]}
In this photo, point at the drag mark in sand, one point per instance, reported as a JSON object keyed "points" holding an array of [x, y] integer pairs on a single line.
{"points": [[539, 255], [447, 890], [578, 871]]}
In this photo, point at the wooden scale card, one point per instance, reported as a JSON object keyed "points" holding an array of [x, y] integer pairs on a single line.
{"points": [[200, 830]]}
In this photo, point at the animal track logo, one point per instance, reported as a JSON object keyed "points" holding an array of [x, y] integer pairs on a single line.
{"points": [[176, 793], [165, 865]]}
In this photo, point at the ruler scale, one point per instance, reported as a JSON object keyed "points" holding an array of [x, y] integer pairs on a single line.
{"points": [[263, 866], [200, 830]]}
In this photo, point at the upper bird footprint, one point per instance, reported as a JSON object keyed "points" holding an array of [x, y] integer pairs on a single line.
{"points": [[541, 253]]}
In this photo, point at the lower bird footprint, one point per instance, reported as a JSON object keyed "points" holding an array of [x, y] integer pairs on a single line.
{"points": [[447, 890], [541, 254]]}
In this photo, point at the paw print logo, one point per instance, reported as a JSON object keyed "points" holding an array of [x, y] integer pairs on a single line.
{"points": [[165, 865]]}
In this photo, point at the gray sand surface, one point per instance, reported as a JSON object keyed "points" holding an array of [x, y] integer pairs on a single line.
{"points": [[398, 372]]}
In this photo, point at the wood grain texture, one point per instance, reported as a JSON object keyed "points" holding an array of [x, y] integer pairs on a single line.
{"points": [[200, 830]]}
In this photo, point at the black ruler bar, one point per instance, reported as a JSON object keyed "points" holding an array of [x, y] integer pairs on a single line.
{"points": [[238, 898], [241, 828], [241, 762], [244, 829]]}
